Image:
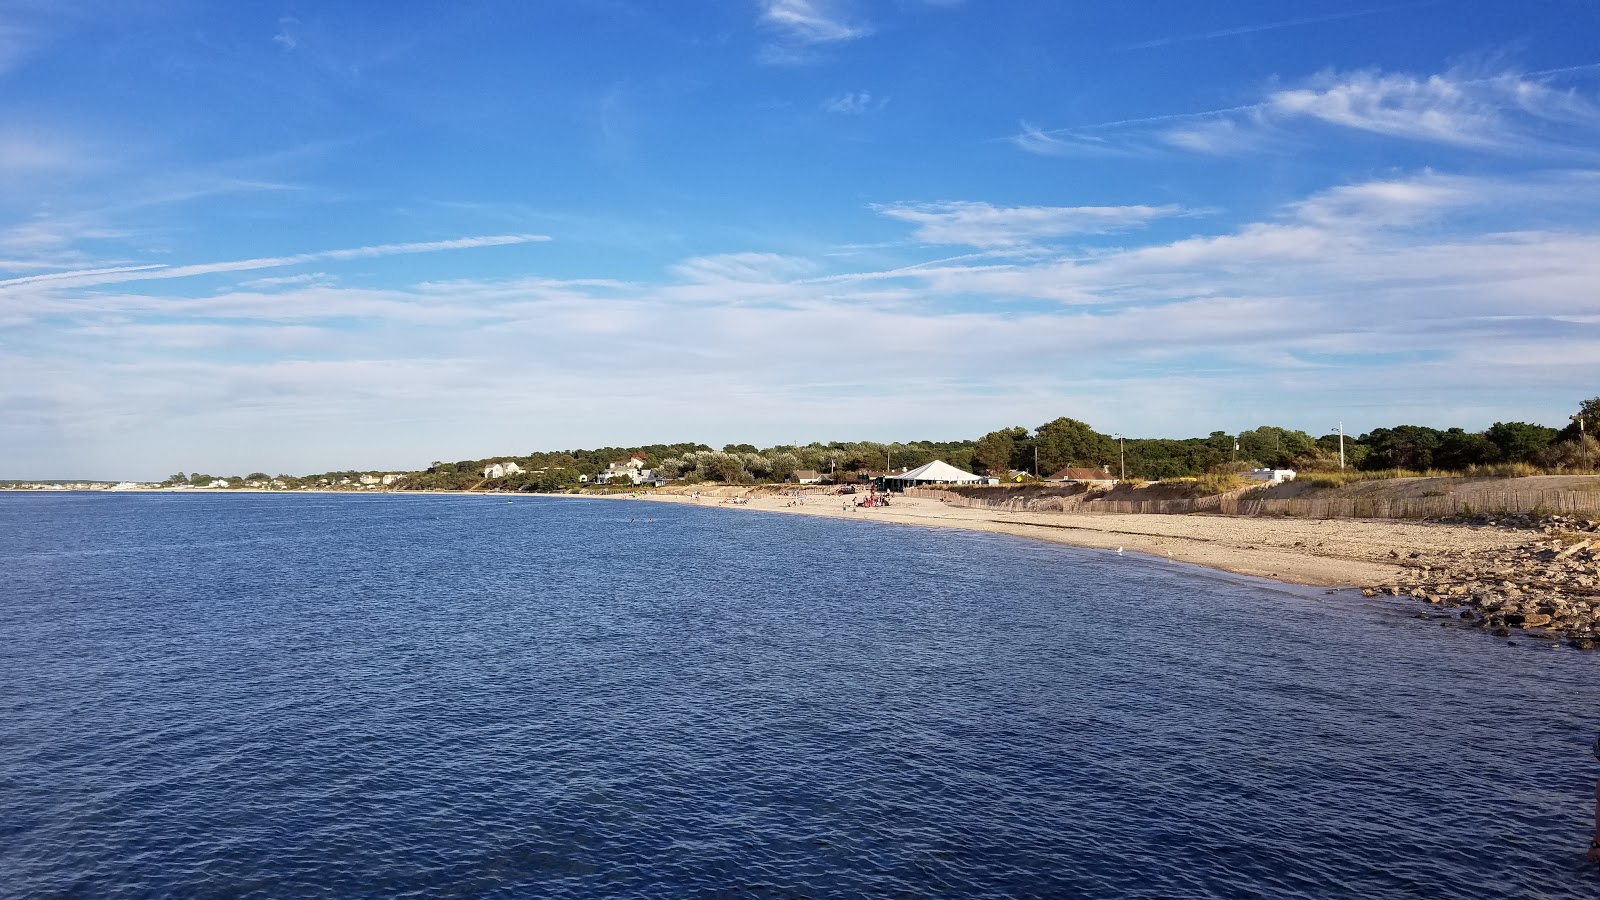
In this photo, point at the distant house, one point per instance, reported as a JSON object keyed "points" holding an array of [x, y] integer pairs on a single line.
{"points": [[806, 476], [1081, 475], [631, 470], [1271, 476], [501, 469]]}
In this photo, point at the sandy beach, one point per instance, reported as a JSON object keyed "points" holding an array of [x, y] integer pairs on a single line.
{"points": [[1329, 553]]}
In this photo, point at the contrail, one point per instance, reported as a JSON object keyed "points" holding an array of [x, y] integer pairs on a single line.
{"points": [[1268, 26]]}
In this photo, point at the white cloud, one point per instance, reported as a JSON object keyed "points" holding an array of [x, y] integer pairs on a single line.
{"points": [[122, 274], [1502, 113], [742, 267], [849, 104], [1389, 299], [984, 225], [810, 21]]}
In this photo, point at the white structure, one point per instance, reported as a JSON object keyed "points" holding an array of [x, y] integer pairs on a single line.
{"points": [[936, 472], [501, 469], [391, 479], [632, 469], [1272, 476], [806, 476]]}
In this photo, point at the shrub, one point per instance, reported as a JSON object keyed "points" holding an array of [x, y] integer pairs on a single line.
{"points": [[1219, 483]]}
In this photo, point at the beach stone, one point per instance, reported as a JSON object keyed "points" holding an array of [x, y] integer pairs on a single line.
{"points": [[1535, 620]]}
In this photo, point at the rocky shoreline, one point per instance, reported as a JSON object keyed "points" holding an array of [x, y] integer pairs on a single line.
{"points": [[1548, 588]]}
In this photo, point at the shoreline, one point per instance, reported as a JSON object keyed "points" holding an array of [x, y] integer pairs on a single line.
{"points": [[1329, 553]]}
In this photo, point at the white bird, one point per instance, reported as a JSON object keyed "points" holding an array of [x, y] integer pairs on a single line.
{"points": [[1119, 549]]}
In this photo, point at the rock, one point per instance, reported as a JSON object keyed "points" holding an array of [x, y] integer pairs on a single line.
{"points": [[1535, 620]]}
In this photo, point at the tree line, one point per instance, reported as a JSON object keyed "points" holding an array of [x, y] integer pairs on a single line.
{"points": [[1018, 452]]}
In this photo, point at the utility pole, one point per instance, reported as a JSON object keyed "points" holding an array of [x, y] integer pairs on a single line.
{"points": [[1035, 462], [1583, 441], [1341, 446], [1122, 456], [888, 454]]}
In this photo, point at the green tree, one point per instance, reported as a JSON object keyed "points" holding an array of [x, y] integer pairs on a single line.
{"points": [[1069, 442], [996, 449], [1459, 449], [1520, 441], [1275, 447], [1401, 447]]}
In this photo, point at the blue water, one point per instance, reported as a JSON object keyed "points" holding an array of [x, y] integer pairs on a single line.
{"points": [[344, 696]]}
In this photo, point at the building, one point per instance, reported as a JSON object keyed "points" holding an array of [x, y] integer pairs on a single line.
{"points": [[806, 476], [631, 470], [1271, 476], [501, 469]]}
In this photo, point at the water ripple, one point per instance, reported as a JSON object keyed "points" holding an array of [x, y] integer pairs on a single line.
{"points": [[419, 697]]}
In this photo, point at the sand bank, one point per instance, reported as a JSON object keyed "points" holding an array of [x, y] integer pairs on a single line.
{"points": [[1330, 553]]}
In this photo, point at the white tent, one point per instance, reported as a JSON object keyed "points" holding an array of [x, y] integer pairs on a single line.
{"points": [[936, 472]]}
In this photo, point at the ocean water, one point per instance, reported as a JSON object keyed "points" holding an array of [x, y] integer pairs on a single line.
{"points": [[401, 696]]}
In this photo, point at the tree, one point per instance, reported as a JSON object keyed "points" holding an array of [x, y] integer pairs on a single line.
{"points": [[1274, 447], [1459, 450], [1069, 442], [1401, 447], [995, 450], [1520, 441]]}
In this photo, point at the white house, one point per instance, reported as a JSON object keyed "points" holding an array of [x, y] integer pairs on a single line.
{"points": [[501, 469], [632, 469]]}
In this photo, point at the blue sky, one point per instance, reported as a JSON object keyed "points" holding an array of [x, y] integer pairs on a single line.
{"points": [[305, 236]]}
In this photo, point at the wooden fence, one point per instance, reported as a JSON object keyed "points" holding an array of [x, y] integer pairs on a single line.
{"points": [[1242, 503]]}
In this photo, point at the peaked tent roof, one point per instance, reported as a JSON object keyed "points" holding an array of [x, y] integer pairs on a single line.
{"points": [[938, 470]]}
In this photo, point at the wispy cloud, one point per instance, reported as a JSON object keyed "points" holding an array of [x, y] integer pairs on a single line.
{"points": [[984, 225], [117, 275], [849, 104], [1505, 112], [811, 21], [1498, 112], [1480, 280], [288, 36]]}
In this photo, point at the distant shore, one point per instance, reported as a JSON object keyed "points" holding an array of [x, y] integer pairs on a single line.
{"points": [[1319, 552]]}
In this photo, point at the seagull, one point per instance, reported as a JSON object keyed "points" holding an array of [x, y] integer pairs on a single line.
{"points": [[1119, 549]]}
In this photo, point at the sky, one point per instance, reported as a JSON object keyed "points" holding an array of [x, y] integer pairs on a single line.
{"points": [[297, 237]]}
